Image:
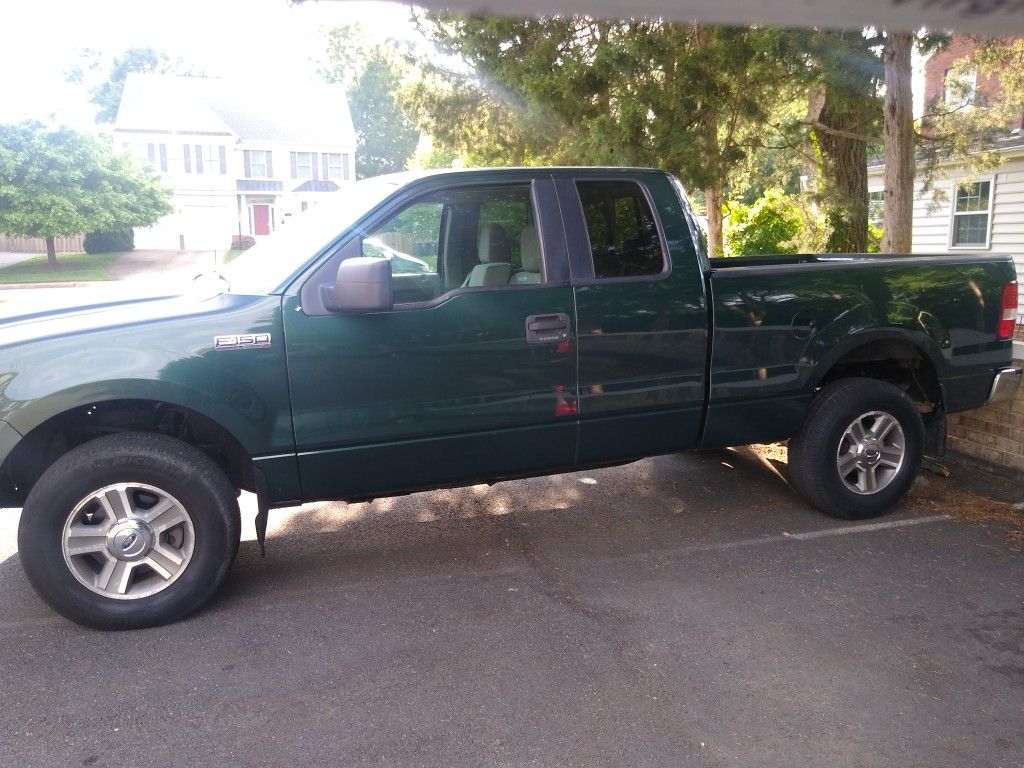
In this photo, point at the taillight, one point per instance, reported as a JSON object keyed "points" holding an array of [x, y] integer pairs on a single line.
{"points": [[1008, 313]]}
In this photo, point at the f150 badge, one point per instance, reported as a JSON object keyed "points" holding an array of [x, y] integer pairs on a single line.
{"points": [[242, 341]]}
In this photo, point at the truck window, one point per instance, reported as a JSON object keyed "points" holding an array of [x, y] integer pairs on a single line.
{"points": [[411, 240], [623, 234], [463, 237]]}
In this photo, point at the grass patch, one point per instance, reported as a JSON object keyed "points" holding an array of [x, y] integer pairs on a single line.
{"points": [[71, 268], [231, 255]]}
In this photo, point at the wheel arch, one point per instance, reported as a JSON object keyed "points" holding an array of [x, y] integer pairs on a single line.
{"points": [[911, 361], [53, 437]]}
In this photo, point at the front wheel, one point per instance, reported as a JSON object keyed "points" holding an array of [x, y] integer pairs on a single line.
{"points": [[129, 530], [859, 449]]}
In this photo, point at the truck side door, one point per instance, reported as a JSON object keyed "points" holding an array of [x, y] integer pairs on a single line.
{"points": [[472, 374], [642, 315]]}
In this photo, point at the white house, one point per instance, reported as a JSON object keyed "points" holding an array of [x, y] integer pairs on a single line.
{"points": [[965, 211], [240, 158]]}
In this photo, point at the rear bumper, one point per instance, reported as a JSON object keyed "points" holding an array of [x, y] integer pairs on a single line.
{"points": [[1005, 385]]}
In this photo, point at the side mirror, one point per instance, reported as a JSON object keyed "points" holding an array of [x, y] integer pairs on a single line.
{"points": [[363, 285]]}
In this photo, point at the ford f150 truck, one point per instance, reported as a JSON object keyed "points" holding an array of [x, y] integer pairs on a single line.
{"points": [[468, 326]]}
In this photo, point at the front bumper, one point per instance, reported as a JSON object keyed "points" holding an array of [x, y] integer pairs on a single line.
{"points": [[9, 438], [1005, 385]]}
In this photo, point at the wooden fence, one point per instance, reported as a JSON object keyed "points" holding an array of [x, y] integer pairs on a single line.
{"points": [[9, 244]]}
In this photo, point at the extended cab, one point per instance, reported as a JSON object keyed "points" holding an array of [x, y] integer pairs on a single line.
{"points": [[448, 328]]}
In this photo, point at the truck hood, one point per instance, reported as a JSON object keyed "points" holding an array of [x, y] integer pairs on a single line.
{"points": [[78, 320]]}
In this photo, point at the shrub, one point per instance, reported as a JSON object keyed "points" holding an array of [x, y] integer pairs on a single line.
{"points": [[110, 241], [242, 242], [768, 226]]}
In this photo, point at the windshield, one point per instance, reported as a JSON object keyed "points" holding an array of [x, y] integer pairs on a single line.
{"points": [[267, 265]]}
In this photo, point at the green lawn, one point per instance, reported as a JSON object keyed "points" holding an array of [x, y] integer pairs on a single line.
{"points": [[231, 255], [71, 268]]}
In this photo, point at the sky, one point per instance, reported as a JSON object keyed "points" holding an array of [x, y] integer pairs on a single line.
{"points": [[272, 40]]}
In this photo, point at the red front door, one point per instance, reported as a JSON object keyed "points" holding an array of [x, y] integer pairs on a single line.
{"points": [[261, 219]]}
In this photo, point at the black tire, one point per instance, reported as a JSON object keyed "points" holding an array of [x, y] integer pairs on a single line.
{"points": [[170, 465], [813, 467]]}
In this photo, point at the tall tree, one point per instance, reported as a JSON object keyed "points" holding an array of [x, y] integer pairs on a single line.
{"points": [[372, 75], [106, 93], [58, 183], [848, 116], [898, 213], [575, 89]]}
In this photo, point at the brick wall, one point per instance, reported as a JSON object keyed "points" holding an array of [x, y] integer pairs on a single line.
{"points": [[938, 63], [993, 435]]}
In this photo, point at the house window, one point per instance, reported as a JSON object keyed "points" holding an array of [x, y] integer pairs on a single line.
{"points": [[334, 166], [258, 164], [960, 90], [302, 165], [876, 208], [211, 159], [972, 215]]}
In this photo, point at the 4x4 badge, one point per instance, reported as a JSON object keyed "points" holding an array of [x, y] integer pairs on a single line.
{"points": [[242, 341]]}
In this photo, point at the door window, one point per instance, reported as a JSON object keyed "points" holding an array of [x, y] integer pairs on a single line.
{"points": [[623, 234], [468, 237]]}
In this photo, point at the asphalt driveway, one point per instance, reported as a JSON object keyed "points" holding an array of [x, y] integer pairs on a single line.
{"points": [[679, 611]]}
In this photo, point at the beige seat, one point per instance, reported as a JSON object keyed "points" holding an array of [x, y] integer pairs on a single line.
{"points": [[495, 256], [530, 250]]}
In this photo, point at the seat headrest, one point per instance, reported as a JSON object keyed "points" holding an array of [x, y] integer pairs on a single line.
{"points": [[492, 246], [530, 249]]}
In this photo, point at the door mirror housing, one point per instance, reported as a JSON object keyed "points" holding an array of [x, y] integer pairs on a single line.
{"points": [[363, 285]]}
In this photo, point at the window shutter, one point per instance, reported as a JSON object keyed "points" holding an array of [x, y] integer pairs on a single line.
{"points": [[295, 166], [151, 153], [312, 164], [223, 160], [326, 170], [270, 163], [199, 159], [163, 157], [188, 157], [344, 167], [248, 163]]}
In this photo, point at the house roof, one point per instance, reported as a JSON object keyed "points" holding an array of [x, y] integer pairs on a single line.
{"points": [[1011, 144], [295, 113], [314, 185]]}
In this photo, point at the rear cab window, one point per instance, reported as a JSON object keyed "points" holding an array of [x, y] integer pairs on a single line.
{"points": [[622, 230]]}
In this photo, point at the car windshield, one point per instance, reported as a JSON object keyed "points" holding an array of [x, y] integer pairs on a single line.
{"points": [[266, 266]]}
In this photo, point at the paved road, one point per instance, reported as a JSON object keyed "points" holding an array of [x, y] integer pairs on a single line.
{"points": [[680, 611]]}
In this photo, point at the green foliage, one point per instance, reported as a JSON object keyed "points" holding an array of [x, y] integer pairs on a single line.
{"points": [[110, 240], [106, 94], [579, 90], [372, 76], [968, 128], [60, 183], [768, 226]]}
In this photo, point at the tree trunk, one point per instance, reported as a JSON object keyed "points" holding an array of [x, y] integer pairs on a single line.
{"points": [[713, 198], [898, 220], [845, 174], [51, 252]]}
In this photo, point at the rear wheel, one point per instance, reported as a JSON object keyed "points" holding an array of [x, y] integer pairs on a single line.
{"points": [[129, 530], [859, 449]]}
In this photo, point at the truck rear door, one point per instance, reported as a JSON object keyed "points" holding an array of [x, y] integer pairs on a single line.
{"points": [[641, 313]]}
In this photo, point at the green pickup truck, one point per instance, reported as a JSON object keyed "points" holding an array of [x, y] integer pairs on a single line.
{"points": [[448, 328]]}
